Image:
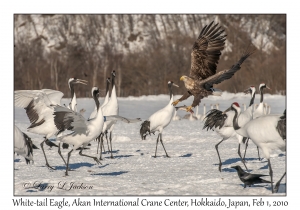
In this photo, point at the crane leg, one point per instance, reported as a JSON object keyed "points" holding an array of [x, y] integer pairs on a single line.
{"points": [[161, 141], [271, 174], [246, 146], [67, 169], [239, 153], [107, 141], [101, 146], [110, 138], [42, 146], [156, 145], [59, 152], [258, 154], [278, 183], [95, 158], [220, 162]]}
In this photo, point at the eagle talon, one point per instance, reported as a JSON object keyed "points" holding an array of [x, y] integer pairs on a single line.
{"points": [[189, 109], [175, 102]]}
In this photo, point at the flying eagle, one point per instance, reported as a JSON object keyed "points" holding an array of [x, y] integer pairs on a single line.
{"points": [[205, 55]]}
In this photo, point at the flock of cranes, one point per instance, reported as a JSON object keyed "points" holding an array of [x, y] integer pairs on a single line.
{"points": [[200, 115], [49, 118], [267, 131]]}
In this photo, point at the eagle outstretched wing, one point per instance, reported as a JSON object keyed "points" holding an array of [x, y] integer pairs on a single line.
{"points": [[225, 74], [206, 51]]}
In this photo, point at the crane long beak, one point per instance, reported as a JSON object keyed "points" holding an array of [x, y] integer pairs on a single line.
{"points": [[247, 91], [268, 87], [227, 110], [81, 81], [175, 85]]}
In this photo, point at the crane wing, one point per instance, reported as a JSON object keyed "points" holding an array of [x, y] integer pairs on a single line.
{"points": [[22, 98], [281, 126], [120, 118], [66, 119]]}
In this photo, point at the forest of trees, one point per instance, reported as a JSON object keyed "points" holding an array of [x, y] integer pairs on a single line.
{"points": [[145, 50]]}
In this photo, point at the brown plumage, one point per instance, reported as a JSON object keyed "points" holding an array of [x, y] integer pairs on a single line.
{"points": [[205, 56]]}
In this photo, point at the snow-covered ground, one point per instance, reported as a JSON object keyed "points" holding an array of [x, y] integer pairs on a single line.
{"points": [[191, 170]]}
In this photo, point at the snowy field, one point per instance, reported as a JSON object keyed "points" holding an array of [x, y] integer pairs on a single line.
{"points": [[192, 168]]}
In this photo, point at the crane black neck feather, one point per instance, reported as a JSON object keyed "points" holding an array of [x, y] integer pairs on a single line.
{"points": [[112, 80], [235, 122], [72, 91], [170, 89], [252, 99], [107, 86], [96, 101], [262, 94]]}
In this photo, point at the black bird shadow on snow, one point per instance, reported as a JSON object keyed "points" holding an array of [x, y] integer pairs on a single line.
{"points": [[228, 169], [282, 188], [159, 156], [117, 173], [120, 156], [141, 153], [43, 186], [266, 186], [281, 155], [234, 160], [232, 170], [114, 151], [186, 155], [39, 187], [73, 166], [103, 166], [17, 160], [264, 167], [31, 191]]}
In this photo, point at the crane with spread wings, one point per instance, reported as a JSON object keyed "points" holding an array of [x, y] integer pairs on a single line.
{"points": [[204, 59]]}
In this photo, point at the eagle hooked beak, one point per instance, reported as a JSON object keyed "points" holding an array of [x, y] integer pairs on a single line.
{"points": [[181, 78]]}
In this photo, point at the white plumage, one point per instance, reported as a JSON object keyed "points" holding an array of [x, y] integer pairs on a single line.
{"points": [[259, 111], [267, 132], [176, 117], [162, 118], [204, 113], [197, 115], [106, 99], [159, 120], [190, 117], [222, 124], [84, 130], [110, 108], [39, 109], [72, 82]]}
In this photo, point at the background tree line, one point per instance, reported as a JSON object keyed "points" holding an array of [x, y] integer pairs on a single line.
{"points": [[146, 51]]}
